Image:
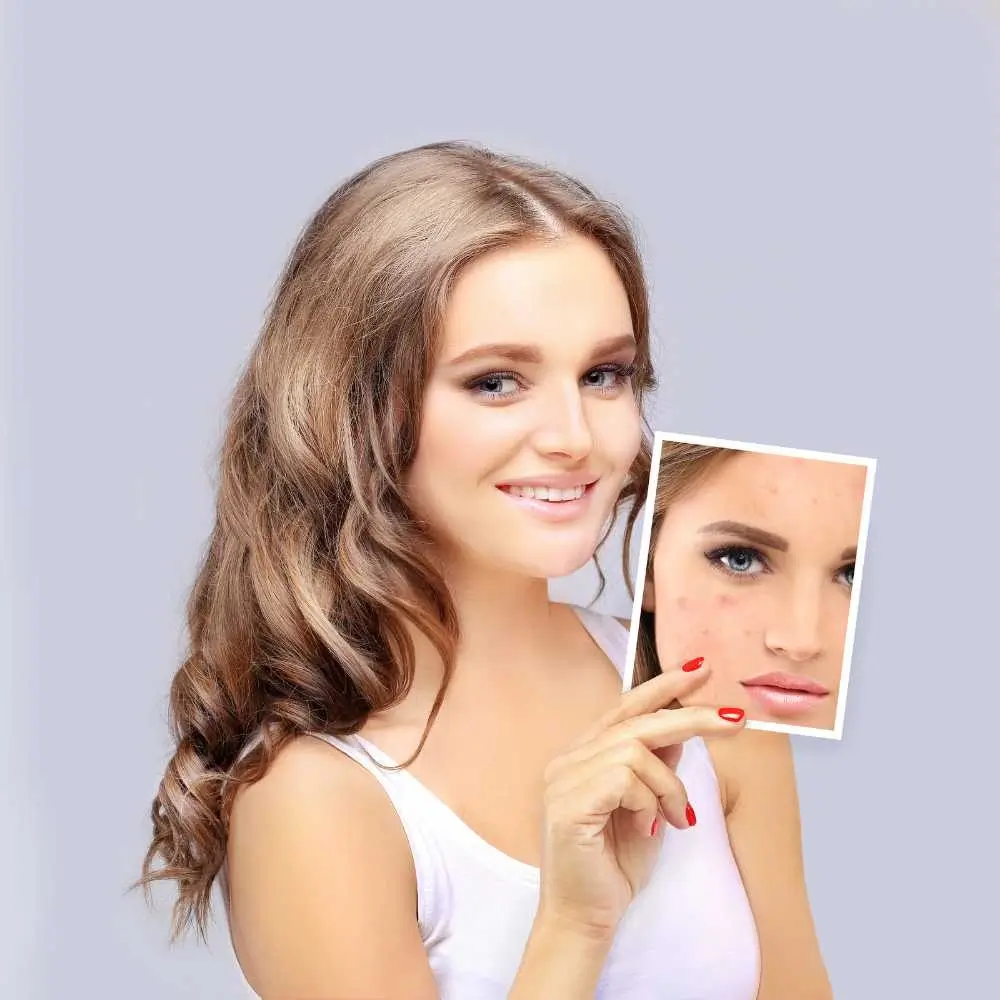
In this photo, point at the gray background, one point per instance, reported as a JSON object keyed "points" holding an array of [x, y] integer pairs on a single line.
{"points": [[816, 188]]}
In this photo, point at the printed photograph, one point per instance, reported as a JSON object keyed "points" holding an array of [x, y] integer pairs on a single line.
{"points": [[753, 557]]}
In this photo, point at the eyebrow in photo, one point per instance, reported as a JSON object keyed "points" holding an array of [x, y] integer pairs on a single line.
{"points": [[758, 536]]}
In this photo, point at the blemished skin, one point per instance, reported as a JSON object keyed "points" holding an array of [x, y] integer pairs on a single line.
{"points": [[753, 569], [323, 907]]}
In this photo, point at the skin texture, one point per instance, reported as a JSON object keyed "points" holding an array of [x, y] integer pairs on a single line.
{"points": [[754, 609]]}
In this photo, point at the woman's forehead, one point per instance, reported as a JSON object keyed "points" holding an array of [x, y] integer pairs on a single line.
{"points": [[551, 295], [788, 495]]}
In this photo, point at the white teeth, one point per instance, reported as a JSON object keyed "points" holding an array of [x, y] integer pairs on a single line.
{"points": [[550, 493]]}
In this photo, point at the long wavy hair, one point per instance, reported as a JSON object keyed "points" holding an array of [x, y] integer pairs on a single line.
{"points": [[681, 468], [316, 566]]}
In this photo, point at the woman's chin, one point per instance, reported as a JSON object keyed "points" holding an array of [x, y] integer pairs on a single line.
{"points": [[556, 563], [538, 558]]}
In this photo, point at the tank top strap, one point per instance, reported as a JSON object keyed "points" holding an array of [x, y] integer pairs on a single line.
{"points": [[406, 798]]}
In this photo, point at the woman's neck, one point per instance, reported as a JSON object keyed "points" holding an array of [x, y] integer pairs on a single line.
{"points": [[498, 611], [505, 623]]}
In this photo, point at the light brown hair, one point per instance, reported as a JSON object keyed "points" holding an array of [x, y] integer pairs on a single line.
{"points": [[681, 468], [298, 617]]}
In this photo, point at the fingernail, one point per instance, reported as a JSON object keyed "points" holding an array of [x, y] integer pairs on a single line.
{"points": [[689, 815], [693, 664], [732, 714], [655, 827]]}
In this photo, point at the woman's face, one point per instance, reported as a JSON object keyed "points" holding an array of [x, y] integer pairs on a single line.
{"points": [[529, 421], [753, 570]]}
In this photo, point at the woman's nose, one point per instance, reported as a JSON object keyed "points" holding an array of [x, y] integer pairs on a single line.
{"points": [[795, 630], [563, 426]]}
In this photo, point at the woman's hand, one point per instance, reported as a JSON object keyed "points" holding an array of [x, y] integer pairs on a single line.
{"points": [[607, 801]]}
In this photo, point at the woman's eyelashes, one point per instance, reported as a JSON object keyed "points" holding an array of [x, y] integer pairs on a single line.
{"points": [[742, 562], [606, 380], [738, 561]]}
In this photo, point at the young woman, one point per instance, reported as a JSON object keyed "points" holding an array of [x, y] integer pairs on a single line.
{"points": [[753, 567], [414, 775]]}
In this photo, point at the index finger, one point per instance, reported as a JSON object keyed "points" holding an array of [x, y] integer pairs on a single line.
{"points": [[654, 694]]}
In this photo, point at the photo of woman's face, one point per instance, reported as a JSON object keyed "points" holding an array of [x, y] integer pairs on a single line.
{"points": [[529, 423], [752, 569]]}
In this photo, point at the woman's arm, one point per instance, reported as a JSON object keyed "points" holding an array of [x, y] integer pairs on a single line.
{"points": [[559, 961], [323, 894], [322, 886], [757, 776]]}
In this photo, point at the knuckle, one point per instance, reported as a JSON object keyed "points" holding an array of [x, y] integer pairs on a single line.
{"points": [[633, 753], [624, 778]]}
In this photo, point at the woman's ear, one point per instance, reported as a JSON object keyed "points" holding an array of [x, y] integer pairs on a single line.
{"points": [[648, 596]]}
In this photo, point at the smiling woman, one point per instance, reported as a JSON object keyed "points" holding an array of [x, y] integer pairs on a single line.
{"points": [[496, 411], [412, 774]]}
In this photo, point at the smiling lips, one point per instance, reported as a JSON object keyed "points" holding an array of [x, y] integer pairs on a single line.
{"points": [[557, 497], [550, 493], [557, 488], [786, 695]]}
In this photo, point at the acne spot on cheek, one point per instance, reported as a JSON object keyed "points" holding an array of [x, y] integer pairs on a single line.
{"points": [[682, 604], [725, 601]]}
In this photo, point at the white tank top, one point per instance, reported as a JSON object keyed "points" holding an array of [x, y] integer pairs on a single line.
{"points": [[689, 935]]}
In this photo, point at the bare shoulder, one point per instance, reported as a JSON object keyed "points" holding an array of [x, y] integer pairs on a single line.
{"points": [[750, 759], [310, 777], [322, 884]]}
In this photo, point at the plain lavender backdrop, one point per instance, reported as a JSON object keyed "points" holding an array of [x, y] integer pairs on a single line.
{"points": [[816, 189]]}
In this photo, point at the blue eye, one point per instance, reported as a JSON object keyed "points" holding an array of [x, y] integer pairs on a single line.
{"points": [[848, 571], [496, 385], [737, 560], [605, 380], [608, 378]]}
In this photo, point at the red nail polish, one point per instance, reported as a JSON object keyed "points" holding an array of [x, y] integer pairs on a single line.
{"points": [[656, 826], [689, 815], [693, 664], [732, 714]]}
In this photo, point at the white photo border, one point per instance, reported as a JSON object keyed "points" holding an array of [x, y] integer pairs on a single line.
{"points": [[869, 464]]}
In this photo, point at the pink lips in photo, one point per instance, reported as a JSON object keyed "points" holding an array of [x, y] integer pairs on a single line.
{"points": [[559, 497], [785, 695]]}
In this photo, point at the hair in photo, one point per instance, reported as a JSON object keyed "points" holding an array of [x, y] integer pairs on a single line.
{"points": [[316, 564], [681, 468]]}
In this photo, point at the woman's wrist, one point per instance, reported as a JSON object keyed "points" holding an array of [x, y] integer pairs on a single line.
{"points": [[558, 925], [563, 957]]}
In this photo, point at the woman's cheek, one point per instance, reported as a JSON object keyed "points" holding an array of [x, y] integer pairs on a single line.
{"points": [[718, 626], [619, 436], [686, 627]]}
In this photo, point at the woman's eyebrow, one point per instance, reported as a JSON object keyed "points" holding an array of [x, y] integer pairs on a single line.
{"points": [[529, 354], [512, 352], [757, 536]]}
